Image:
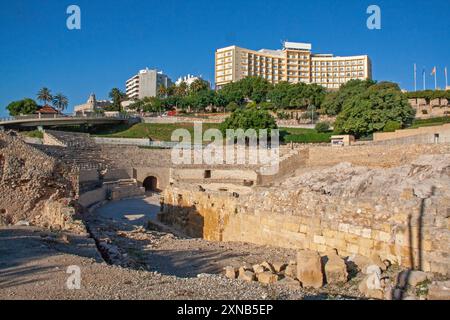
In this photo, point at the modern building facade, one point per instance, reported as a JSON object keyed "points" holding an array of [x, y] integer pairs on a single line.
{"points": [[294, 63], [189, 79], [146, 84]]}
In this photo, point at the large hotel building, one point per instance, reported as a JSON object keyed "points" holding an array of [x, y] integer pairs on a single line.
{"points": [[294, 63]]}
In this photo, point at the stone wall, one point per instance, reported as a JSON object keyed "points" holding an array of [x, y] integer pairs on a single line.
{"points": [[422, 134], [287, 165], [372, 155], [400, 213], [431, 109]]}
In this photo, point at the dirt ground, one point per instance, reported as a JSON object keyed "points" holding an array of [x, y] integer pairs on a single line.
{"points": [[156, 264]]}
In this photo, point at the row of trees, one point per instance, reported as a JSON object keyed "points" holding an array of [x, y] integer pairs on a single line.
{"points": [[361, 107], [429, 94], [254, 90], [28, 106]]}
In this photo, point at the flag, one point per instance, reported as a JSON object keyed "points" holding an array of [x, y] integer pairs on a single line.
{"points": [[433, 72]]}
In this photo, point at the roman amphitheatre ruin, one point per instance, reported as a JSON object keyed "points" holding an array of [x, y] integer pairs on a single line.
{"points": [[366, 221]]}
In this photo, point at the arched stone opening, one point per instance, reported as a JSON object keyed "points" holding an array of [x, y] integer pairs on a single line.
{"points": [[151, 184]]}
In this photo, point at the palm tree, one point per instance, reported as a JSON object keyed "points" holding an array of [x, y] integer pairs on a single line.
{"points": [[44, 95], [117, 96], [182, 89], [162, 91], [199, 85], [60, 102]]}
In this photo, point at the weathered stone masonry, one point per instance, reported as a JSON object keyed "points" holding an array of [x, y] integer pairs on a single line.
{"points": [[356, 227], [406, 222]]}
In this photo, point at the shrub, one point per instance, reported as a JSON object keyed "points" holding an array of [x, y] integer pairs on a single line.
{"points": [[322, 127], [391, 126], [308, 138], [308, 115], [249, 119], [283, 115], [232, 106]]}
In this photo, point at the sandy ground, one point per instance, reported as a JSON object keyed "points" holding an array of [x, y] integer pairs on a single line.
{"points": [[34, 263]]}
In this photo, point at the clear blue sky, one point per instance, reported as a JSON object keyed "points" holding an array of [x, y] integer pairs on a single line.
{"points": [[120, 37]]}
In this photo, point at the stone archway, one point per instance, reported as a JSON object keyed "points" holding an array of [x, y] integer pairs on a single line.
{"points": [[151, 184]]}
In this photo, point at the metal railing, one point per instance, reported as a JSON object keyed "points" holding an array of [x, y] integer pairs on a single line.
{"points": [[63, 116]]}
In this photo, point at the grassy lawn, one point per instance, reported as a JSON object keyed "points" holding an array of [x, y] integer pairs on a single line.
{"points": [[430, 122], [156, 132], [163, 132], [301, 135], [34, 134]]}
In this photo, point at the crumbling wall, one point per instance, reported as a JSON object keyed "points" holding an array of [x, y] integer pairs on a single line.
{"points": [[35, 187], [400, 213]]}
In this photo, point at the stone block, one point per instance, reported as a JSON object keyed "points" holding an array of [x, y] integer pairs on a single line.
{"points": [[411, 278], [279, 266], [335, 269], [353, 248], [291, 271], [376, 260], [248, 276], [257, 268], [370, 287], [231, 272], [268, 277], [290, 283], [268, 266], [309, 269], [319, 239], [439, 291]]}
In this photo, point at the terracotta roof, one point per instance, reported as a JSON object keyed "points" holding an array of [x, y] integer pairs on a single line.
{"points": [[47, 110]]}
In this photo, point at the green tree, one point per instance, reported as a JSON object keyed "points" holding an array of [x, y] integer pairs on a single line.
{"points": [[22, 107], [117, 97], [162, 92], [251, 118], [198, 85], [232, 106], [392, 126], [200, 100], [322, 127], [251, 88], [334, 101], [60, 102], [220, 100], [181, 90], [300, 95], [152, 104], [45, 95], [371, 110]]}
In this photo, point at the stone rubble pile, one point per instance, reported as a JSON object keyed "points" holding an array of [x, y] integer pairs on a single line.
{"points": [[36, 189], [313, 271]]}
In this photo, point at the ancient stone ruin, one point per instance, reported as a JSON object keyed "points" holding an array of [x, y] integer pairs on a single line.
{"points": [[35, 188]]}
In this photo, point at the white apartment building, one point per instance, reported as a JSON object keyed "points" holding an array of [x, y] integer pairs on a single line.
{"points": [[146, 84], [189, 79], [294, 63]]}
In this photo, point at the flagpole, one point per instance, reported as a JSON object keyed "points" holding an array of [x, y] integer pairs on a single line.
{"points": [[415, 77], [435, 78], [424, 80], [446, 80]]}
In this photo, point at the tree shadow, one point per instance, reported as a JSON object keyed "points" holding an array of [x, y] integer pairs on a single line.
{"points": [[415, 261], [23, 248]]}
